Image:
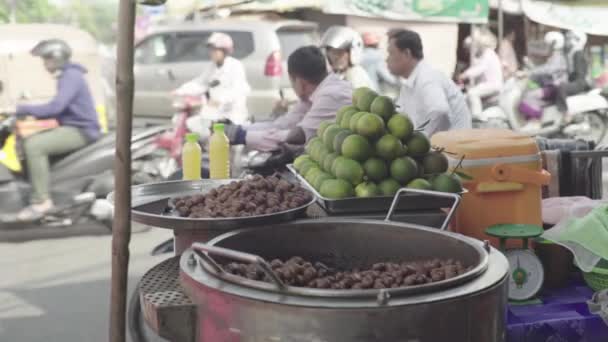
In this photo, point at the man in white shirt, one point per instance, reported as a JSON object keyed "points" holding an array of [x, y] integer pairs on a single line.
{"points": [[321, 95], [427, 96]]}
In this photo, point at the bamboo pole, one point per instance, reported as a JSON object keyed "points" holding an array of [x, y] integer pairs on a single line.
{"points": [[121, 233]]}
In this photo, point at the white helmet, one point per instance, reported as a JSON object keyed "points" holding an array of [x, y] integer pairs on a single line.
{"points": [[222, 41], [555, 40], [576, 39], [345, 38]]}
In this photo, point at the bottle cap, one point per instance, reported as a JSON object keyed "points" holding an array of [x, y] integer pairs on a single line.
{"points": [[192, 137], [218, 127]]}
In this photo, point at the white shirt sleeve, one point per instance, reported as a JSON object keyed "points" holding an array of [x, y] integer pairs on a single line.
{"points": [[436, 108], [199, 85]]}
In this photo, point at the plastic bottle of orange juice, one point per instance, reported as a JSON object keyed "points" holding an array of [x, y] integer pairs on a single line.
{"points": [[219, 153], [191, 158]]}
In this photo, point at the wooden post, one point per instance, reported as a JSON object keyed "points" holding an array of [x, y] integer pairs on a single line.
{"points": [[121, 233]]}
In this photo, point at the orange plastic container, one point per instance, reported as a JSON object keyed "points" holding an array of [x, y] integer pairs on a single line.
{"points": [[507, 177]]}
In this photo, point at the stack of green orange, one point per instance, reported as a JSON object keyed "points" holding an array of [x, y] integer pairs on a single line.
{"points": [[370, 150]]}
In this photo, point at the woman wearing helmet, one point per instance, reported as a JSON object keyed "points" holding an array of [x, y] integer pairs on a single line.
{"points": [[577, 68], [224, 84], [485, 71], [72, 107], [343, 47], [546, 77]]}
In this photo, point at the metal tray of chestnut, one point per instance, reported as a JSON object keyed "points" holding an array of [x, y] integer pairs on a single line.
{"points": [[297, 271], [181, 204], [411, 201]]}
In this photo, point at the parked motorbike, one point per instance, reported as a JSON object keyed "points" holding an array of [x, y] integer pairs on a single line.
{"points": [[80, 180], [589, 112]]}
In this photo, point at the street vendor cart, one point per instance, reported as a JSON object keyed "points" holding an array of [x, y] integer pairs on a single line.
{"points": [[193, 297]]}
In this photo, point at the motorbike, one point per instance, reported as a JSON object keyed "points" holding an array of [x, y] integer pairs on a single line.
{"points": [[589, 112], [80, 180], [162, 159]]}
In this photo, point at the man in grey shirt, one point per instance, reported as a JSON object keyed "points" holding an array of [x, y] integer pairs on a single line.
{"points": [[427, 95]]}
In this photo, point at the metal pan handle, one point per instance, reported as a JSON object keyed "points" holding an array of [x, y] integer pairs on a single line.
{"points": [[448, 218], [202, 250]]}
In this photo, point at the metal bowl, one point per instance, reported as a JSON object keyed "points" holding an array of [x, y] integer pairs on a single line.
{"points": [[150, 202]]}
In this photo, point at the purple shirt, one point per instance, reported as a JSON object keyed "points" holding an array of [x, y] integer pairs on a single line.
{"points": [[72, 105]]}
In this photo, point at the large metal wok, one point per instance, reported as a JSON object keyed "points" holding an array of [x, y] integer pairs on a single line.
{"points": [[470, 307], [150, 204]]}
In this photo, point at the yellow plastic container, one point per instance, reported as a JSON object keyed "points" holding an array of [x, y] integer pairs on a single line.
{"points": [[507, 177], [191, 158], [219, 153]]}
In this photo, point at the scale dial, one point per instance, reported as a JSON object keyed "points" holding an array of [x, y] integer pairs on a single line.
{"points": [[526, 274]]}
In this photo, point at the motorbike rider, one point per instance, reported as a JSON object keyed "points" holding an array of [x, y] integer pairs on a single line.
{"points": [[72, 107], [432, 100], [321, 95], [375, 64], [545, 80], [224, 84], [344, 47], [507, 54], [485, 71], [577, 68]]}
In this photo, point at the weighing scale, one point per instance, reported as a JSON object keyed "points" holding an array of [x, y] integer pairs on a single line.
{"points": [[526, 273]]}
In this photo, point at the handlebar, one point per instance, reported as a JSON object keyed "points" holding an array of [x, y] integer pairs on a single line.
{"points": [[182, 102]]}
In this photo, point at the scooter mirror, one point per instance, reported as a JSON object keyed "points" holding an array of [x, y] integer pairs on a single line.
{"points": [[152, 2]]}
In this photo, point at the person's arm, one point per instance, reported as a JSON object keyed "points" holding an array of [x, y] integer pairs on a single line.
{"points": [[385, 75], [554, 65], [291, 119], [436, 107], [197, 86], [475, 70], [323, 108], [68, 86], [266, 136]]}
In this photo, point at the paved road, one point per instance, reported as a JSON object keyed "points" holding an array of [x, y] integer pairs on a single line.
{"points": [[59, 290]]}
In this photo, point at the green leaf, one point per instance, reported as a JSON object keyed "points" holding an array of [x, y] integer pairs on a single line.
{"points": [[463, 175]]}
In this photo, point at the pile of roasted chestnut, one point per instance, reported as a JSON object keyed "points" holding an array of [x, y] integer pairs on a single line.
{"points": [[298, 272], [249, 197]]}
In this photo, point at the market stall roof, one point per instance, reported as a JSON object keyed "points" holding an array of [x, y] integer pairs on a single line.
{"points": [[585, 15], [462, 11], [280, 6], [467, 11], [508, 6]]}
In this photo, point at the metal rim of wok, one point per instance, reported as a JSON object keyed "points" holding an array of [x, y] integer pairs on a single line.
{"points": [[156, 194], [205, 274]]}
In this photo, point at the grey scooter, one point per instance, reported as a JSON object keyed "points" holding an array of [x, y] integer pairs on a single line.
{"points": [[80, 181]]}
